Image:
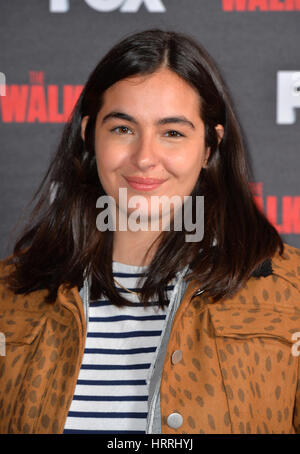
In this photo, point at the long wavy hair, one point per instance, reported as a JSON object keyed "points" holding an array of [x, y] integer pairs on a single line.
{"points": [[61, 241]]}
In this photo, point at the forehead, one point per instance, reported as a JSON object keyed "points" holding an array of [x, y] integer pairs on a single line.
{"points": [[162, 93]]}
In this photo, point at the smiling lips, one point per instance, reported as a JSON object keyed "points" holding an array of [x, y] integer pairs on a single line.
{"points": [[143, 184]]}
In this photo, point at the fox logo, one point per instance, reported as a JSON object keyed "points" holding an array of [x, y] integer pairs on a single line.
{"points": [[288, 96], [105, 6]]}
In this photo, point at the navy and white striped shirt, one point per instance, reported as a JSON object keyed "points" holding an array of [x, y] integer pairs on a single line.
{"points": [[111, 394]]}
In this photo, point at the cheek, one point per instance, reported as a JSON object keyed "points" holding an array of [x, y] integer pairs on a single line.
{"points": [[104, 166], [185, 165], [109, 158]]}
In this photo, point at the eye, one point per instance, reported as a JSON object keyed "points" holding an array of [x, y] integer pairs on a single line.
{"points": [[173, 133], [122, 130]]}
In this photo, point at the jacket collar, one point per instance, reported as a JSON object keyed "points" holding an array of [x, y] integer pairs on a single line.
{"points": [[264, 269]]}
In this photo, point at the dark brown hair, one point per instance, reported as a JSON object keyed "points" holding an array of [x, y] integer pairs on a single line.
{"points": [[61, 239]]}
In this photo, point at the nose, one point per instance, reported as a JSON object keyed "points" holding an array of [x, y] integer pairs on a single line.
{"points": [[145, 153]]}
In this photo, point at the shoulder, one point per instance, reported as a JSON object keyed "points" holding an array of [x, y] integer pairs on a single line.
{"points": [[10, 301], [287, 266], [267, 305], [6, 295], [277, 280], [6, 266]]}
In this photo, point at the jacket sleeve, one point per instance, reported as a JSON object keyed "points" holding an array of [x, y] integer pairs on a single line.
{"points": [[296, 415]]}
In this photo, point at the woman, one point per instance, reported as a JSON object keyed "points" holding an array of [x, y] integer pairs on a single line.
{"points": [[123, 331]]}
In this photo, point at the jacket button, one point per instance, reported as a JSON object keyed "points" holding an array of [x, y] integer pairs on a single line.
{"points": [[176, 356], [174, 420]]}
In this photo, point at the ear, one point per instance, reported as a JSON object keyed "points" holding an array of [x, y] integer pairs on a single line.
{"points": [[83, 126], [220, 131], [207, 154]]}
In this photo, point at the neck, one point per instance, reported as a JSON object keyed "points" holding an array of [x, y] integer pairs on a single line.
{"points": [[131, 247]]}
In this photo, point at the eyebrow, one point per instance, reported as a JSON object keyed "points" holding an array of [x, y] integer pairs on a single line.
{"points": [[162, 121]]}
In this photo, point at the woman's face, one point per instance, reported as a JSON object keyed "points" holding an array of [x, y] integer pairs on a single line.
{"points": [[150, 127]]}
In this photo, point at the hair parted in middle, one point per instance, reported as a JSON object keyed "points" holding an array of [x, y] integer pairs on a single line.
{"points": [[61, 240]]}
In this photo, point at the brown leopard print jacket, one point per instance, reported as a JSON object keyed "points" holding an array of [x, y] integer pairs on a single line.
{"points": [[230, 367]]}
